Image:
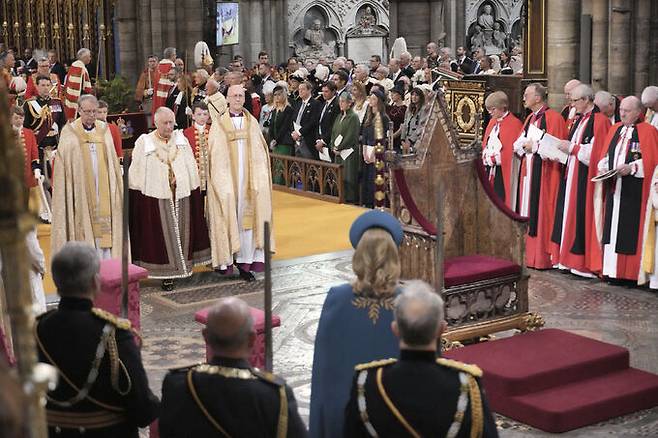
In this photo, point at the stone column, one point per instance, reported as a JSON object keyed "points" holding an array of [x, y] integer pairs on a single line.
{"points": [[437, 14], [619, 71], [562, 34], [126, 30], [393, 20], [642, 19], [600, 45], [255, 30]]}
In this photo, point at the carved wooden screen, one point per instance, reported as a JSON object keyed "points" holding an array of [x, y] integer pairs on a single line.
{"points": [[62, 25]]}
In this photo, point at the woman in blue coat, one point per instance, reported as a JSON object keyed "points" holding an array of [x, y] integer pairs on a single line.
{"points": [[355, 324]]}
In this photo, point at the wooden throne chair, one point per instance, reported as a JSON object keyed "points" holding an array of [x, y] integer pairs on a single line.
{"points": [[478, 261]]}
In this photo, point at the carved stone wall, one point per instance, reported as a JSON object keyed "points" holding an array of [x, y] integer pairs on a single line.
{"points": [[340, 18], [507, 13]]}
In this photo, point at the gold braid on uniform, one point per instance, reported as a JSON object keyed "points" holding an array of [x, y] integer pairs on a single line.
{"points": [[115, 363], [392, 407], [282, 428], [477, 418], [199, 403], [91, 378]]}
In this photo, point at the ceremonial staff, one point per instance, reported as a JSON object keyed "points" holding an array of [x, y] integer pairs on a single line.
{"points": [[125, 247], [15, 222], [268, 300]]}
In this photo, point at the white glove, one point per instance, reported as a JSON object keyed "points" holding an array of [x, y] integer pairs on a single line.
{"points": [[148, 92], [37, 175]]}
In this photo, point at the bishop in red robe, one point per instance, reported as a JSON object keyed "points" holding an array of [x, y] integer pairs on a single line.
{"points": [[538, 180], [498, 146], [632, 151], [573, 211]]}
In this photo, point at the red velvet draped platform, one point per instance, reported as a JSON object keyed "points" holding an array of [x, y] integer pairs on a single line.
{"points": [[558, 381]]}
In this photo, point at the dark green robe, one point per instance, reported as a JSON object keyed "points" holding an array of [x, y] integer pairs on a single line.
{"points": [[347, 125]]}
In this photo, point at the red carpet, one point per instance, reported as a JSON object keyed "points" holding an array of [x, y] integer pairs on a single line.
{"points": [[558, 381]]}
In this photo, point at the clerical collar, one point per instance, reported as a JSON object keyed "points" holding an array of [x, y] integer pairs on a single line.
{"points": [[235, 115], [89, 128]]}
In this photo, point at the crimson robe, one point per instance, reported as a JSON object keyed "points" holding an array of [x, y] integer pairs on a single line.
{"points": [[31, 156], [76, 84], [508, 132], [632, 200], [117, 140], [201, 164], [570, 233], [543, 189]]}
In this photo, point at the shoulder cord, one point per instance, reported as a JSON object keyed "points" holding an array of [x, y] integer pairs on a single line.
{"points": [[282, 427], [115, 362], [392, 407], [477, 417], [361, 402], [462, 404], [83, 393], [197, 400]]}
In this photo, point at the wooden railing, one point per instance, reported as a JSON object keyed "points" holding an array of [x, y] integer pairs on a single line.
{"points": [[312, 178]]}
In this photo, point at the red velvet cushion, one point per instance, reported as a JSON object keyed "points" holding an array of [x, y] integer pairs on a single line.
{"points": [[257, 314], [469, 269]]}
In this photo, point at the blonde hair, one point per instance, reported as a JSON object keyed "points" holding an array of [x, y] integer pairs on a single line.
{"points": [[376, 264]]}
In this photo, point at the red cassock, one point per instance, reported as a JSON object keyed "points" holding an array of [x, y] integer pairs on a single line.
{"points": [[625, 200], [573, 213], [29, 142], [31, 90], [162, 84], [116, 139], [76, 84], [508, 131], [542, 191]]}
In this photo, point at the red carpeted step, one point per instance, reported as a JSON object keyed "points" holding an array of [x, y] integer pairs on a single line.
{"points": [[585, 402], [536, 361]]}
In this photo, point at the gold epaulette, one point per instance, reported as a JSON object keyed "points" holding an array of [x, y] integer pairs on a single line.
{"points": [[268, 377], [375, 364], [473, 370], [115, 320]]}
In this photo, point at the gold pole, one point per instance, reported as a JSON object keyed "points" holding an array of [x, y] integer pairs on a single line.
{"points": [[17, 32], [5, 24], [29, 35], [56, 31], [42, 24], [15, 222]]}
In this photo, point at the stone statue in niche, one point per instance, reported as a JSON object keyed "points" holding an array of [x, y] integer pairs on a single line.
{"points": [[477, 40], [315, 45], [499, 37], [486, 19], [368, 18]]}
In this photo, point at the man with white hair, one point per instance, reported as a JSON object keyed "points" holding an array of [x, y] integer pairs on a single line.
{"points": [[405, 64], [239, 189], [630, 155], [215, 100], [650, 102], [77, 83], [573, 218], [426, 390], [168, 231], [87, 186], [607, 105], [569, 112]]}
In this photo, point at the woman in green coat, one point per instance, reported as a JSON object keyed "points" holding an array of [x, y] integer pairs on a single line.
{"points": [[344, 143]]}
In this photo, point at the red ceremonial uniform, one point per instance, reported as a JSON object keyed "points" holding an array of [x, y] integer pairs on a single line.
{"points": [[76, 84], [199, 143], [573, 212], [163, 85], [55, 91], [538, 183], [500, 164], [622, 215], [116, 139], [29, 143]]}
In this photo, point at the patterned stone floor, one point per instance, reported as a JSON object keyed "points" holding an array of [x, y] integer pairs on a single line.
{"points": [[619, 315]]}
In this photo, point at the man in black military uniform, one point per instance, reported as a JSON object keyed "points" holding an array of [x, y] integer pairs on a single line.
{"points": [[418, 394], [45, 116], [227, 397], [103, 391]]}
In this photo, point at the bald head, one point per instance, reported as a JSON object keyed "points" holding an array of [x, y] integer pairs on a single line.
{"points": [[230, 328], [630, 110], [235, 98], [569, 86]]}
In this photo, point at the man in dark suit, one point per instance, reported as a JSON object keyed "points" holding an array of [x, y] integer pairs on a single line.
{"points": [[305, 126], [56, 66], [328, 114], [103, 390], [418, 394], [227, 397]]}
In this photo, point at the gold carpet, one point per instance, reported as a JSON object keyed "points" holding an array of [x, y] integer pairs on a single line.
{"points": [[302, 227]]}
